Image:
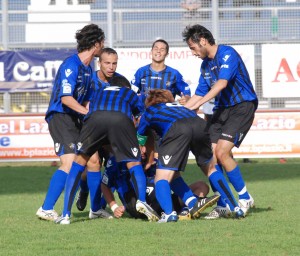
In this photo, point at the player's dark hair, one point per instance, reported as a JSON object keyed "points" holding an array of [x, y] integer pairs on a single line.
{"points": [[196, 32], [158, 96], [88, 36], [120, 81], [161, 41], [108, 51]]}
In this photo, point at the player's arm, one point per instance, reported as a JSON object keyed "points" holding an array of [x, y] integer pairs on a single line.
{"points": [[117, 210], [70, 102], [196, 101]]}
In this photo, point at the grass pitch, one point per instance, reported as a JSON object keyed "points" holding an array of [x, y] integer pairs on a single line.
{"points": [[272, 228]]}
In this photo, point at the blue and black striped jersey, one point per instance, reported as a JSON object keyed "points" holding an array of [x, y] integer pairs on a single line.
{"points": [[114, 98], [228, 65], [146, 79], [73, 79], [160, 117]]}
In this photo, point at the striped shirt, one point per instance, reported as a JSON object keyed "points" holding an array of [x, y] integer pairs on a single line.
{"points": [[228, 65], [146, 79], [114, 98], [160, 117]]}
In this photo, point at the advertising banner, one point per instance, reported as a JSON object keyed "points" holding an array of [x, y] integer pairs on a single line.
{"points": [[36, 69], [281, 70], [180, 58], [272, 135], [30, 70]]}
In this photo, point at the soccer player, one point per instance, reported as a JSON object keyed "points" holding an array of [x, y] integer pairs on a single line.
{"points": [[224, 77], [116, 177], [180, 130], [66, 109], [109, 121], [108, 61], [158, 75]]}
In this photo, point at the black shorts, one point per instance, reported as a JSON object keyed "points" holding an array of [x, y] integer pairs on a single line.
{"points": [[109, 127], [185, 134], [233, 123], [64, 130]]}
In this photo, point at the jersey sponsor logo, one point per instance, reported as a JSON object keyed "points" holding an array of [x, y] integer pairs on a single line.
{"points": [[156, 78], [134, 151], [104, 179], [57, 146], [224, 66], [166, 159], [112, 88], [226, 57], [227, 135], [149, 190], [66, 86], [79, 145], [68, 72], [168, 83]]}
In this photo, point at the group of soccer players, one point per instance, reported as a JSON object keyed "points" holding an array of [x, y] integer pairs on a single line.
{"points": [[94, 112]]}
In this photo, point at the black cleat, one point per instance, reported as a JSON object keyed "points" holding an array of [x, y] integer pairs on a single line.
{"points": [[202, 204], [82, 200]]}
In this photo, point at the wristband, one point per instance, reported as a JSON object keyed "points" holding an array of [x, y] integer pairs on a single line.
{"points": [[141, 139], [114, 207]]}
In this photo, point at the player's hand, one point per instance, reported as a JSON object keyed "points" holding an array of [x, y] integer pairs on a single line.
{"points": [[119, 211], [183, 100]]}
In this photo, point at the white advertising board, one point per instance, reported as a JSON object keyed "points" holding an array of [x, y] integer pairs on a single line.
{"points": [[281, 70]]}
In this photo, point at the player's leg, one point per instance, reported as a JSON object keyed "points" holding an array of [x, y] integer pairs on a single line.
{"points": [[71, 187], [64, 130], [163, 194]]}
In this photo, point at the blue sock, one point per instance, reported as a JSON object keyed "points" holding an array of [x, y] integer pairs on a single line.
{"points": [[56, 187], [236, 179], [163, 195], [219, 168], [72, 184], [138, 180], [219, 182], [220, 202], [181, 189], [84, 185], [94, 182]]}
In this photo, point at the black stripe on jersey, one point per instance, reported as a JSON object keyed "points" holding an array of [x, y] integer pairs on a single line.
{"points": [[148, 82]]}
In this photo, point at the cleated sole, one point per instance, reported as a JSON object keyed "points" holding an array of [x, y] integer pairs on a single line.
{"points": [[211, 203]]}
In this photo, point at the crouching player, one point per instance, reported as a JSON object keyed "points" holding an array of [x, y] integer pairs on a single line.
{"points": [[117, 177]]}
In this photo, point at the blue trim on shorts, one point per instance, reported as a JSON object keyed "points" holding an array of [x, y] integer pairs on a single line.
{"points": [[166, 168]]}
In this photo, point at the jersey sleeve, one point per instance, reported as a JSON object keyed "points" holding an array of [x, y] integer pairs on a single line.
{"points": [[136, 82], [181, 85], [68, 79], [144, 124], [228, 61], [202, 87]]}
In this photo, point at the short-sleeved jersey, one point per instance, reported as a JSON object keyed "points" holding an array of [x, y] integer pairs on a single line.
{"points": [[160, 117], [228, 65], [114, 98], [73, 79], [146, 79]]}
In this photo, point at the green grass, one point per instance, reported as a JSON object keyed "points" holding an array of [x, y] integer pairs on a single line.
{"points": [[272, 228]]}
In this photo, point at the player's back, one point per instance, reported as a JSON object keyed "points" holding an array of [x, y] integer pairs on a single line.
{"points": [[161, 116]]}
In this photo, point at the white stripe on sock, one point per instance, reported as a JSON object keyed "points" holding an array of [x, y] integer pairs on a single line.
{"points": [[243, 191]]}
